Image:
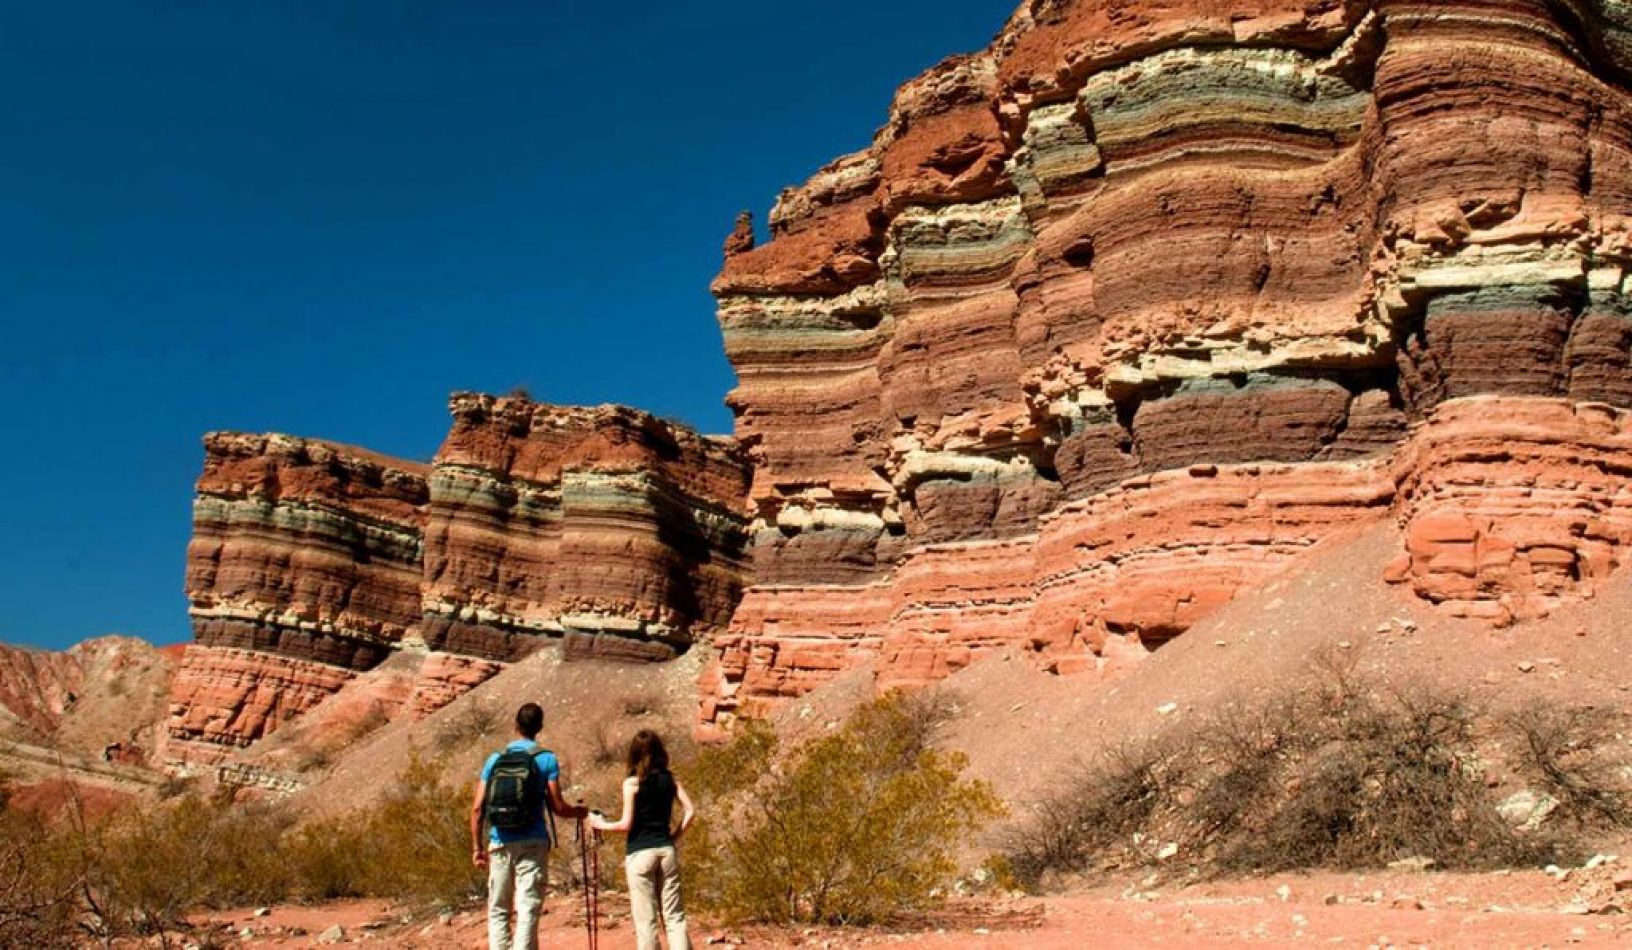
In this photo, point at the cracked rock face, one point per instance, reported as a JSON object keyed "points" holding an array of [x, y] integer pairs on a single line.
{"points": [[604, 529], [1133, 307]]}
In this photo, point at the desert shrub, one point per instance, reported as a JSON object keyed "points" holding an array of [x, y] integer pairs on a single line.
{"points": [[473, 722], [1335, 774], [420, 840], [1561, 749], [1108, 800], [40, 884], [640, 703], [851, 827], [313, 758], [721, 772], [140, 873], [154, 866], [373, 719], [605, 748], [326, 861], [1379, 779], [175, 786], [413, 845], [718, 778]]}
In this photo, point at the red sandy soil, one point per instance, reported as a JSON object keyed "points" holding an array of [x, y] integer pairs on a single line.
{"points": [[54, 797], [1404, 909]]}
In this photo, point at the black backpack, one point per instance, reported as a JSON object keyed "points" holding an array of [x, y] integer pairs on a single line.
{"points": [[515, 790]]}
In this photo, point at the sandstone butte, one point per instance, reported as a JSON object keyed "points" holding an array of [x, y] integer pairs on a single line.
{"points": [[606, 529], [1110, 322]]}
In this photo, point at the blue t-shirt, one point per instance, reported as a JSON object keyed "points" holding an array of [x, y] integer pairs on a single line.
{"points": [[550, 770]]}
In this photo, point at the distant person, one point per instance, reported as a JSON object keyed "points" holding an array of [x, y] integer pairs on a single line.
{"points": [[651, 863], [519, 785]]}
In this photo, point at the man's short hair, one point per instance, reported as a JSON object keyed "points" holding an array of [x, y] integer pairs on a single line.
{"points": [[530, 719]]}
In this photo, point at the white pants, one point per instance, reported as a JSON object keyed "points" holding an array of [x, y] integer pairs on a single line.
{"points": [[518, 870], [654, 876]]}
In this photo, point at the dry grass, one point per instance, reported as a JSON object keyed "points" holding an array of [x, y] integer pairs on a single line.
{"points": [[473, 723], [1336, 773]]}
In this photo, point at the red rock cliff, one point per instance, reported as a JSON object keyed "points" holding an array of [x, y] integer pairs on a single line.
{"points": [[1124, 312], [608, 527], [605, 528], [304, 569]]}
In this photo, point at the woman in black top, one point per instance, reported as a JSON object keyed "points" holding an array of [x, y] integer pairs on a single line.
{"points": [[651, 862]]}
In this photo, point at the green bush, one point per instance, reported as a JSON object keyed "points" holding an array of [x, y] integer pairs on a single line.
{"points": [[851, 827]]}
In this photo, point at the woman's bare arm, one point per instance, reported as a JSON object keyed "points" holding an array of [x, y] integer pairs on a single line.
{"points": [[630, 786], [687, 813]]}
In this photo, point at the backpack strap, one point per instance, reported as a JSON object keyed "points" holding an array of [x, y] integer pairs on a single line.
{"points": [[549, 807]]}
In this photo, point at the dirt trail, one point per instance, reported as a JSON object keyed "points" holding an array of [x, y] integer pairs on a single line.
{"points": [[1402, 909]]}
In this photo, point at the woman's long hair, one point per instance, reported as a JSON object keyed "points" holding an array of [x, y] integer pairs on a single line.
{"points": [[647, 755]]}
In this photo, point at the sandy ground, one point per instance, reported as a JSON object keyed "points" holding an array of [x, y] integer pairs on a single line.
{"points": [[1403, 909]]}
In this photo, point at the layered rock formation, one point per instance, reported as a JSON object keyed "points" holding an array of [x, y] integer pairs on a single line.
{"points": [[303, 570], [1513, 506], [1133, 307], [608, 527], [312, 562]]}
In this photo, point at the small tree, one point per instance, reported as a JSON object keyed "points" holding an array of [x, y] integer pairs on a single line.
{"points": [[418, 833], [855, 826]]}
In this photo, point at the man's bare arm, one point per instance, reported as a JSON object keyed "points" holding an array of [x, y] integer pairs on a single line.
{"points": [[478, 847], [557, 802]]}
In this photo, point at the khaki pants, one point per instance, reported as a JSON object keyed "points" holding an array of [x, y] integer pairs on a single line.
{"points": [[518, 870], [654, 876]]}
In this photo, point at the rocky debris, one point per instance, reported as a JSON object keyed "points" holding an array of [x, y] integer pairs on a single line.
{"points": [[1601, 889], [1527, 808]]}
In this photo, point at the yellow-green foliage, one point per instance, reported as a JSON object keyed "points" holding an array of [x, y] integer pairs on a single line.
{"points": [[848, 828], [156, 865], [40, 882], [414, 845], [142, 872]]}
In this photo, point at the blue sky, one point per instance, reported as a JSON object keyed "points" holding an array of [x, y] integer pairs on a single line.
{"points": [[322, 217]]}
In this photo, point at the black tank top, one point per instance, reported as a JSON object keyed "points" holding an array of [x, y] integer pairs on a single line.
{"points": [[654, 805]]}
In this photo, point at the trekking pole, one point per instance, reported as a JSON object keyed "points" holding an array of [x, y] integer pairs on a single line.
{"points": [[594, 890], [589, 861]]}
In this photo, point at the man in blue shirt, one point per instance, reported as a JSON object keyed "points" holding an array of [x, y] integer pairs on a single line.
{"points": [[517, 858]]}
